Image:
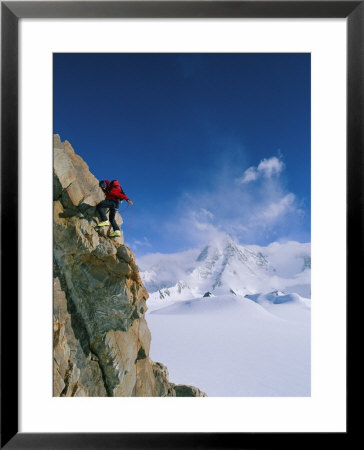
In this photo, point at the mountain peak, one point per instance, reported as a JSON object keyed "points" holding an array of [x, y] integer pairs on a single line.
{"points": [[224, 265]]}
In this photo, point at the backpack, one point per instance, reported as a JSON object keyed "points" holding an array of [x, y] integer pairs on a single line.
{"points": [[114, 183]]}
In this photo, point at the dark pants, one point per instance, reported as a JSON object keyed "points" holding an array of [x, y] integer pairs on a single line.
{"points": [[113, 206]]}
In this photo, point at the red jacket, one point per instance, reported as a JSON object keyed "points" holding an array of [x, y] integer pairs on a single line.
{"points": [[115, 193]]}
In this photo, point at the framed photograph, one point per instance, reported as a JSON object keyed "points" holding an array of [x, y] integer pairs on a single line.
{"points": [[197, 151]]}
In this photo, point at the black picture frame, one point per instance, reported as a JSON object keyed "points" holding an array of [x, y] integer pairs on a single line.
{"points": [[11, 12]]}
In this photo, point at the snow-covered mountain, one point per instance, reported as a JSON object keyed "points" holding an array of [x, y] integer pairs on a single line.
{"points": [[233, 319], [225, 267]]}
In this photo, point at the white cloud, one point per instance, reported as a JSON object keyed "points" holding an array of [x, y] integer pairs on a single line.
{"points": [[270, 167], [278, 208], [201, 224], [267, 168], [197, 224], [255, 213], [249, 175]]}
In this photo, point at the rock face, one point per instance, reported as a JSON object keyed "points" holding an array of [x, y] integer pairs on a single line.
{"points": [[101, 338]]}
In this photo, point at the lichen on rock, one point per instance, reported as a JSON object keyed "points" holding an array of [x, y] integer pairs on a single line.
{"points": [[101, 337]]}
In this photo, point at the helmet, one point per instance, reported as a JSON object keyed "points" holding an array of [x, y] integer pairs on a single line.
{"points": [[102, 184]]}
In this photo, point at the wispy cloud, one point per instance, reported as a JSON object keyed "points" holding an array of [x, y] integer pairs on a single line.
{"points": [[267, 168], [276, 209], [197, 225], [251, 212], [144, 243], [249, 175]]}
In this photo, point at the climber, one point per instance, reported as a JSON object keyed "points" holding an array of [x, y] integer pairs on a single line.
{"points": [[113, 195]]}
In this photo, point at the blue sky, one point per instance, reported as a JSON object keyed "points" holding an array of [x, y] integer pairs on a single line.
{"points": [[203, 144]]}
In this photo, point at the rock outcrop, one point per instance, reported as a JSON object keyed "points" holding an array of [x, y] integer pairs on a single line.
{"points": [[101, 337]]}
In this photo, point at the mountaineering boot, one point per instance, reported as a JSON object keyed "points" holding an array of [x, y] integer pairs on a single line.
{"points": [[115, 234], [103, 224]]}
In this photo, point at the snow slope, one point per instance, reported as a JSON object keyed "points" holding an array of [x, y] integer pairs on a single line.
{"points": [[233, 320], [233, 346]]}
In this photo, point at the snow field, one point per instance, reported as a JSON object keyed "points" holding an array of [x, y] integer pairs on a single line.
{"points": [[231, 347]]}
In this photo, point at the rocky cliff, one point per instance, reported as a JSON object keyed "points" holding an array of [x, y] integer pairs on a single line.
{"points": [[101, 338]]}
